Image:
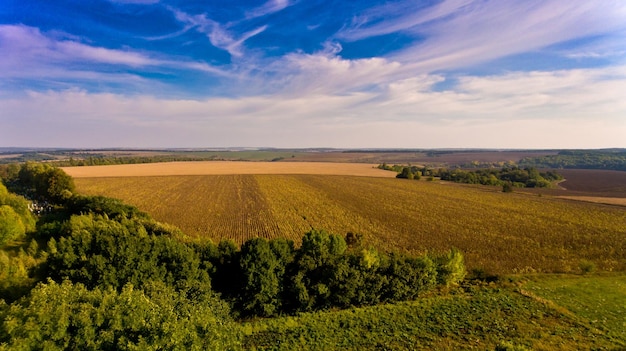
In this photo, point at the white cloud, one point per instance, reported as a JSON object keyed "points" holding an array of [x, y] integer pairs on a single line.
{"points": [[563, 109]]}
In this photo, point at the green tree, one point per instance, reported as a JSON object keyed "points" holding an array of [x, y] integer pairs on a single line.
{"points": [[450, 267], [11, 226], [314, 270], [97, 251], [69, 316], [262, 273], [406, 173], [19, 205]]}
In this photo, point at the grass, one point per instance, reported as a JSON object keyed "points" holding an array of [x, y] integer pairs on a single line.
{"points": [[497, 232], [599, 300], [477, 318]]}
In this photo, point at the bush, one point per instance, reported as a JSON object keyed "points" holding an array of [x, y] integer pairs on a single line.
{"points": [[69, 316], [587, 266]]}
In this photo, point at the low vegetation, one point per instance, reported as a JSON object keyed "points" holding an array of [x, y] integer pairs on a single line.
{"points": [[473, 318]]}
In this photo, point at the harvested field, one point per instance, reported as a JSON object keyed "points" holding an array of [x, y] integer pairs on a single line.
{"points": [[227, 167], [504, 233]]}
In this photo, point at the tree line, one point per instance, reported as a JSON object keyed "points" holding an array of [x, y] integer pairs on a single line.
{"points": [[585, 159], [100, 274], [527, 177]]}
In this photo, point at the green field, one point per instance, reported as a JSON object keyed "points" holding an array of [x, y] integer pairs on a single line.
{"points": [[498, 232], [478, 318], [598, 300]]}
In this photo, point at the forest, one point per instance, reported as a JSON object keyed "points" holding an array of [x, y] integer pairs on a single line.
{"points": [[91, 272]]}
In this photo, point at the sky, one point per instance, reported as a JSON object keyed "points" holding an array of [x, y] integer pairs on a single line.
{"points": [[530, 74]]}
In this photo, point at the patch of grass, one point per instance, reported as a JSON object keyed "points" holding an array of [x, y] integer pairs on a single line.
{"points": [[601, 300], [483, 318]]}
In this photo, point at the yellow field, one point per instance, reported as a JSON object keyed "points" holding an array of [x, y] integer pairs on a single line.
{"points": [[501, 232], [228, 167]]}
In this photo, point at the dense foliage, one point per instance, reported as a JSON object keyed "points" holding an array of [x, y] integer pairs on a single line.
{"points": [[586, 159], [274, 278], [39, 181], [15, 217], [528, 177], [70, 316], [519, 177]]}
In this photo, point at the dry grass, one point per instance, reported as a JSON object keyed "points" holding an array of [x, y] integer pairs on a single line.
{"points": [[227, 167]]}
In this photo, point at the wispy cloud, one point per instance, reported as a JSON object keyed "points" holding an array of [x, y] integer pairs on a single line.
{"points": [[220, 36], [20, 43], [458, 33], [268, 8], [29, 53], [139, 2], [397, 17]]}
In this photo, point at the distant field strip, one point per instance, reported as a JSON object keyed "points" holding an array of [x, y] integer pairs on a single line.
{"points": [[228, 167], [620, 201], [497, 231]]}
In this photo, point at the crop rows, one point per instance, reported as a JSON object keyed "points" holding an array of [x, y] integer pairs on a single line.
{"points": [[498, 232]]}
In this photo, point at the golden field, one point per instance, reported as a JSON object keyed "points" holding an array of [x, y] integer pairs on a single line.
{"points": [[227, 167], [500, 232]]}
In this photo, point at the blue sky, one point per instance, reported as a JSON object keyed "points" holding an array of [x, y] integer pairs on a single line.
{"points": [[289, 73]]}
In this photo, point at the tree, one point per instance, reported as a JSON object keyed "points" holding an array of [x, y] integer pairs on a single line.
{"points": [[314, 270], [262, 278], [450, 267], [60, 185], [69, 316], [507, 187], [406, 173], [11, 226]]}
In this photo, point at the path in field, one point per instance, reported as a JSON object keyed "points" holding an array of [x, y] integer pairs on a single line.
{"points": [[497, 231], [227, 168]]}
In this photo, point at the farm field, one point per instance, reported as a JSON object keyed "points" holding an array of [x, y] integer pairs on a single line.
{"points": [[498, 232], [227, 167]]}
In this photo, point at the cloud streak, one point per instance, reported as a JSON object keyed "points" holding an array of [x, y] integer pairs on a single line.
{"points": [[270, 7], [219, 35], [460, 33]]}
